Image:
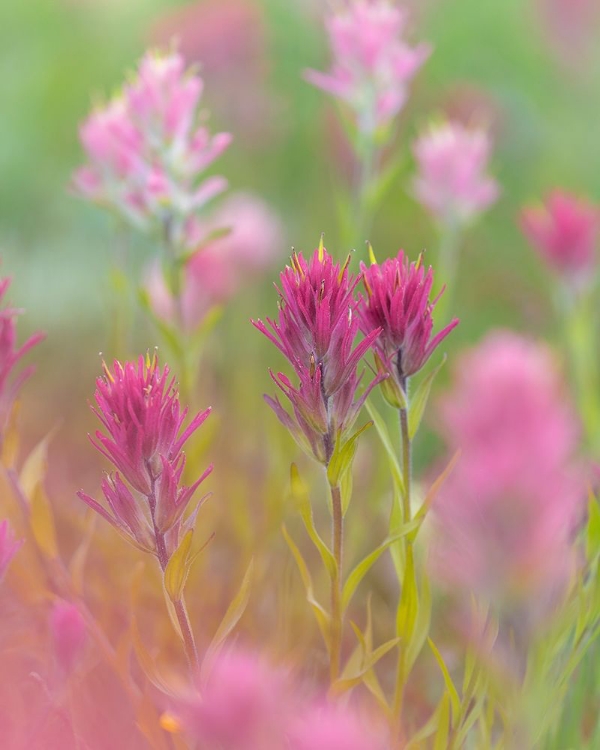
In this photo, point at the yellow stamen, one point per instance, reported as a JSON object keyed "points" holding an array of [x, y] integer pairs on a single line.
{"points": [[372, 258], [321, 248], [170, 723]]}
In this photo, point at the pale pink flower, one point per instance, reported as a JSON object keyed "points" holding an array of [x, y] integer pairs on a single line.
{"points": [[507, 513], [147, 150], [325, 726], [69, 635], [372, 64], [9, 547], [244, 705], [564, 231], [10, 356], [452, 181], [251, 240]]}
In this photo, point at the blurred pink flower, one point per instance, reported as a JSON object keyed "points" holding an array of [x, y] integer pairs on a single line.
{"points": [[229, 39], [571, 27], [9, 547], [69, 636], [147, 150], [506, 515], [221, 266], [452, 182], [372, 64], [244, 705], [10, 355], [139, 409], [316, 331], [325, 726], [564, 231], [398, 302]]}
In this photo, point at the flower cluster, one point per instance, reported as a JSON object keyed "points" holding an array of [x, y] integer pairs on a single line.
{"points": [[9, 547], [398, 303], [10, 355], [372, 64], [247, 703], [146, 151], [316, 331], [214, 273], [451, 182], [564, 231], [139, 409], [507, 512]]}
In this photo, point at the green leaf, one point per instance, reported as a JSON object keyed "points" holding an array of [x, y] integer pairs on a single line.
{"points": [[422, 624], [231, 618], [435, 488], [321, 615], [441, 737], [343, 455], [386, 441], [300, 495], [408, 606], [363, 567], [451, 689], [178, 568], [593, 528], [419, 400]]}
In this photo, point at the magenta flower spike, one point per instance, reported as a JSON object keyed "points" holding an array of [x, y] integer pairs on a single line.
{"points": [[564, 231], [398, 303], [10, 355], [147, 150], [139, 409], [316, 331], [372, 64], [452, 181], [9, 547]]}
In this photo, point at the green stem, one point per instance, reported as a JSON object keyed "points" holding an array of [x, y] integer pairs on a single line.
{"points": [[447, 267], [366, 153], [336, 582]]}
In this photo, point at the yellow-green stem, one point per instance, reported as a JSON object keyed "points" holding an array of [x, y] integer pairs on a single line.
{"points": [[336, 583]]}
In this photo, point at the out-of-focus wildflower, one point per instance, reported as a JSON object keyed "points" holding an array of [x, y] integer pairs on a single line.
{"points": [[564, 231], [140, 411], [245, 704], [9, 547], [316, 331], [398, 302], [571, 27], [10, 355], [230, 41], [69, 635], [452, 181], [328, 727], [372, 64], [506, 514], [214, 273], [147, 150]]}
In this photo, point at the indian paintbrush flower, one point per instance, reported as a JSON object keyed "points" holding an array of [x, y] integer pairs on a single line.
{"points": [[144, 436], [372, 64], [397, 302], [316, 331], [147, 150], [452, 181], [564, 231]]}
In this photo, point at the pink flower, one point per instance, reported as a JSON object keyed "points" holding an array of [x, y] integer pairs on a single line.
{"points": [[140, 411], [506, 515], [452, 183], [10, 355], [9, 547], [564, 231], [244, 705], [316, 331], [147, 150], [372, 65], [328, 727], [69, 635], [398, 303], [221, 266]]}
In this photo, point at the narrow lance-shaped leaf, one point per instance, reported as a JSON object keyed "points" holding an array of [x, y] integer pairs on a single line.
{"points": [[300, 495], [342, 457], [451, 689], [178, 567], [384, 436], [418, 402], [231, 618]]}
